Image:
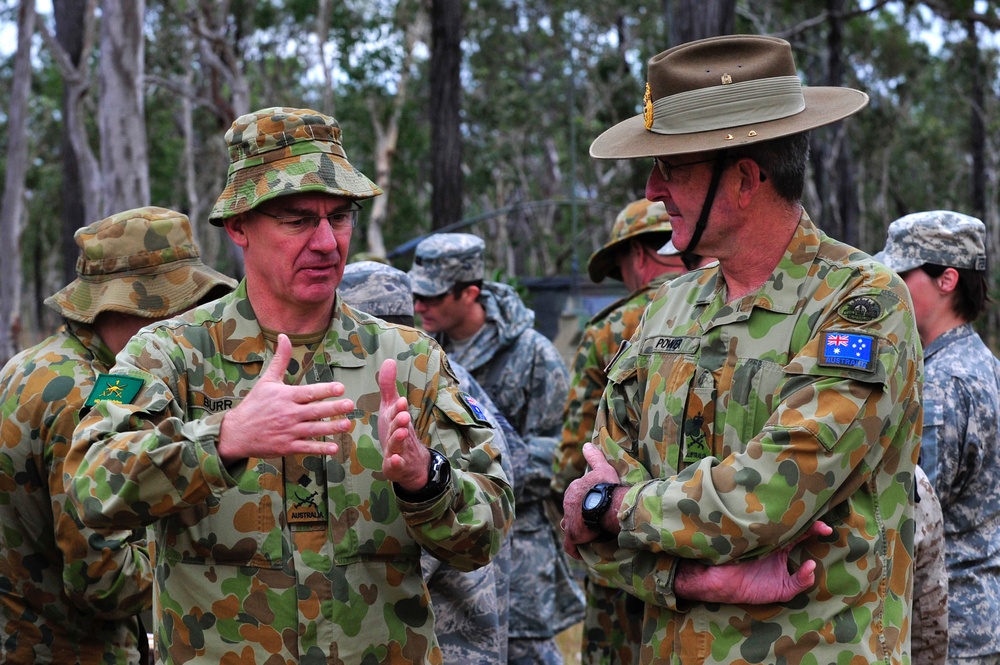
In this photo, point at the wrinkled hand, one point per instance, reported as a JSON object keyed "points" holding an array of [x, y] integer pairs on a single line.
{"points": [[575, 531], [275, 419], [405, 457], [759, 582]]}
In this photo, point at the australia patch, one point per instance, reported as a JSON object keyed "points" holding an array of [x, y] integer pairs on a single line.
{"points": [[841, 349], [477, 411], [114, 388], [861, 309]]}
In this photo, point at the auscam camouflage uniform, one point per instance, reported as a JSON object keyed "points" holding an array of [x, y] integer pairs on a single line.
{"points": [[70, 594], [737, 426], [959, 446], [319, 565], [613, 620], [471, 609], [929, 632], [526, 377], [303, 558]]}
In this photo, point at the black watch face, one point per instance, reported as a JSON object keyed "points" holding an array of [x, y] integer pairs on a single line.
{"points": [[592, 499]]}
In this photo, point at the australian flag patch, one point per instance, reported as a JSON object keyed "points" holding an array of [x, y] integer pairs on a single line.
{"points": [[841, 349]]}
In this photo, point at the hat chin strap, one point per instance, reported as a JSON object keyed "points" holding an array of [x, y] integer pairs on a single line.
{"points": [[706, 207]]}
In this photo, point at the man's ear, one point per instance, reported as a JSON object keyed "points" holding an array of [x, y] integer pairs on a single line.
{"points": [[236, 228], [750, 178], [470, 294]]}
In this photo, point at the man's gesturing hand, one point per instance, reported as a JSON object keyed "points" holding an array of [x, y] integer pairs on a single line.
{"points": [[275, 419], [405, 457]]}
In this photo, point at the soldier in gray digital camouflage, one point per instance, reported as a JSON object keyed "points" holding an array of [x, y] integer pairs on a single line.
{"points": [[772, 391], [471, 609], [291, 456], [941, 255], [485, 327], [68, 593]]}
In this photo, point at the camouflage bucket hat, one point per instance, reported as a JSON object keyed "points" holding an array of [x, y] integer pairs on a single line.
{"points": [[278, 151], [142, 262], [639, 217], [723, 92], [941, 237], [445, 259], [376, 288]]}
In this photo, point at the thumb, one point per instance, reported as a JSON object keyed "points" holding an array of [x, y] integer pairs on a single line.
{"points": [[387, 381], [595, 458], [279, 364]]}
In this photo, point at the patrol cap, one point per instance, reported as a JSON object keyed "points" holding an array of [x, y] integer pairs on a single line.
{"points": [[638, 217], [941, 237], [143, 262], [376, 288], [279, 151], [445, 259]]}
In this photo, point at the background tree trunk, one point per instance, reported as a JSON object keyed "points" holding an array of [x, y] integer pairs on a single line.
{"points": [[688, 20], [445, 107], [122, 121], [13, 191]]}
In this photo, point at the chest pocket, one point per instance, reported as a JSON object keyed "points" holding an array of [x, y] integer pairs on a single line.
{"points": [[749, 401]]}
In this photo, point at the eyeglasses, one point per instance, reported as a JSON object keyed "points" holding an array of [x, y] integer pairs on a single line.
{"points": [[430, 301], [340, 220], [666, 169]]}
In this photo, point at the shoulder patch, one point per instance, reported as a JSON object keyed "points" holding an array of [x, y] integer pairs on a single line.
{"points": [[841, 349], [861, 309], [478, 414], [114, 388]]}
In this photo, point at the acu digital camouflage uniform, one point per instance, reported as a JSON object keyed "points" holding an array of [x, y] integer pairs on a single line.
{"points": [[302, 558], [734, 431], [959, 448], [70, 594], [929, 633], [471, 609], [526, 377], [613, 620]]}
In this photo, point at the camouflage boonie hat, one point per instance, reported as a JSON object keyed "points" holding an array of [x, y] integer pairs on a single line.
{"points": [[142, 262], [445, 259], [638, 217], [279, 151], [941, 237], [376, 288]]}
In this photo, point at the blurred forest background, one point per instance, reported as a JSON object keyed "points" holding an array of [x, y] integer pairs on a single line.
{"points": [[471, 114]]}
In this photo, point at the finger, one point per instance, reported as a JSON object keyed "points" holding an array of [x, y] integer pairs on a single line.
{"points": [[317, 392], [594, 456], [279, 363], [805, 576], [387, 381]]}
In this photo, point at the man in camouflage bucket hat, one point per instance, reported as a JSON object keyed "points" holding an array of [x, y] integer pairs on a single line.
{"points": [[68, 593], [292, 456], [941, 255], [486, 327], [760, 396], [471, 609]]}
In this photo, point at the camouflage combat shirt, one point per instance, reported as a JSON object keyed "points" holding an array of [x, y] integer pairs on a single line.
{"points": [[738, 425], [601, 339], [308, 559], [961, 455], [929, 632], [68, 594], [522, 371]]}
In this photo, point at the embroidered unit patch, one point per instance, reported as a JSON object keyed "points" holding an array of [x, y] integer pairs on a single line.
{"points": [[842, 349], [114, 388], [475, 409]]}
